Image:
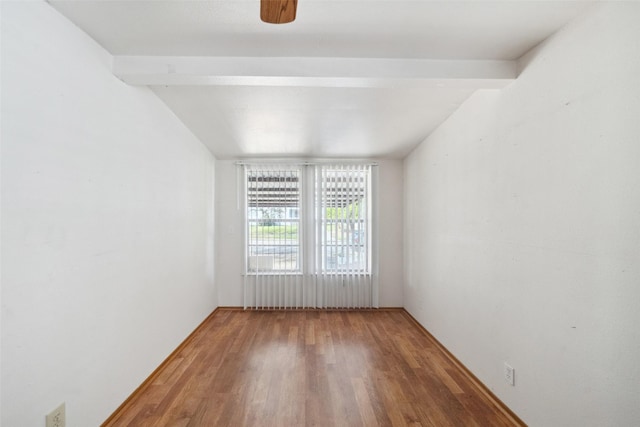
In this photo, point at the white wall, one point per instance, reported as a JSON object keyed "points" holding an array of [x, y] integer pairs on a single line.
{"points": [[107, 225], [522, 228], [229, 247], [390, 226]]}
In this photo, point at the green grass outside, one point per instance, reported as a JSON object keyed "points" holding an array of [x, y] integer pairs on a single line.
{"points": [[275, 231], [288, 232]]}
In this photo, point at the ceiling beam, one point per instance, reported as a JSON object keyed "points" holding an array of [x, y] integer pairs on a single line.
{"points": [[312, 72]]}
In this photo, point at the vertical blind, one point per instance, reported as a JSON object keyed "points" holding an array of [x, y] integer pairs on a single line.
{"points": [[310, 236], [342, 267], [273, 236]]}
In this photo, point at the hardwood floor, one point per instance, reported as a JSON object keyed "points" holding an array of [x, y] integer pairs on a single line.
{"points": [[310, 368]]}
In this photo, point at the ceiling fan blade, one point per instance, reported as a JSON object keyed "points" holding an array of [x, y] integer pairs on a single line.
{"points": [[278, 11]]}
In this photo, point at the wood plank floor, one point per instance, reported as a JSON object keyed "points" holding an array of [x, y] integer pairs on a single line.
{"points": [[310, 368]]}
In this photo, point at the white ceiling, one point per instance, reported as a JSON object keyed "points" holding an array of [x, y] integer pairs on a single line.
{"points": [[348, 78]]}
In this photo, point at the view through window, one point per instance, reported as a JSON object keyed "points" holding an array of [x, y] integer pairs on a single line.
{"points": [[343, 219], [273, 220], [334, 214]]}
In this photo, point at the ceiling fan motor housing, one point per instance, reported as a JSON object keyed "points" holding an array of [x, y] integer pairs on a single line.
{"points": [[278, 11]]}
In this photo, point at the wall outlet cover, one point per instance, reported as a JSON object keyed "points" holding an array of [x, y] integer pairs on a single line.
{"points": [[57, 417], [509, 374]]}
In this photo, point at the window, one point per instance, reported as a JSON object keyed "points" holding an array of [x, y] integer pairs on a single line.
{"points": [[339, 224], [344, 216], [273, 220]]}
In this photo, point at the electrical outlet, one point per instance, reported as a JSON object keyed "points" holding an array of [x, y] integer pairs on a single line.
{"points": [[57, 417], [509, 374]]}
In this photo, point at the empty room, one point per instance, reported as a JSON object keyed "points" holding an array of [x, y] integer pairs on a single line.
{"points": [[320, 213]]}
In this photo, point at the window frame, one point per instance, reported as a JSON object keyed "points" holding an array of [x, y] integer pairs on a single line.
{"points": [[312, 251], [249, 222]]}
